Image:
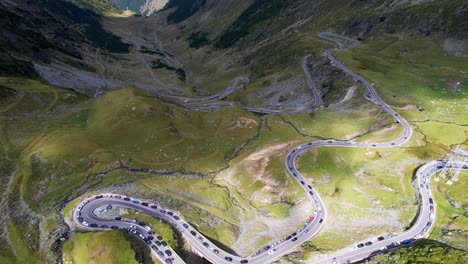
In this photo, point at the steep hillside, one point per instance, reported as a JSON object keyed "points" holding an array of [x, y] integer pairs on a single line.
{"points": [[48, 32]]}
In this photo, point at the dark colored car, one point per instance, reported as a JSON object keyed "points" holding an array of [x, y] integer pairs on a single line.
{"points": [[310, 187], [157, 243], [141, 223], [118, 218], [150, 237], [216, 251], [206, 244], [154, 207], [154, 247], [159, 237], [161, 254], [98, 197], [244, 261], [163, 243], [114, 227], [321, 220], [144, 204], [151, 232], [148, 242], [127, 199], [302, 182], [170, 213], [162, 211], [168, 261], [93, 225], [380, 238], [294, 239], [228, 259], [176, 217], [431, 201], [368, 243], [266, 248], [105, 226], [168, 252], [136, 202], [360, 245], [185, 225], [294, 234], [288, 237], [407, 241], [193, 233], [311, 193]]}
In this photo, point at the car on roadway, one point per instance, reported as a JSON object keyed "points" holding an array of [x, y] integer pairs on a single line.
{"points": [[145, 204], [126, 199], [162, 211], [154, 247], [93, 225], [118, 218], [170, 213], [154, 207], [176, 217], [360, 245], [321, 221], [168, 261], [244, 261], [228, 259], [302, 182], [135, 201], [407, 241], [159, 237], [168, 252], [163, 243], [206, 244], [272, 251], [216, 251], [368, 243], [161, 254], [380, 238], [257, 252], [114, 227], [151, 232], [193, 233], [310, 187]]}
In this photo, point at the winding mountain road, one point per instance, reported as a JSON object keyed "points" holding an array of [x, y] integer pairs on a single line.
{"points": [[87, 213]]}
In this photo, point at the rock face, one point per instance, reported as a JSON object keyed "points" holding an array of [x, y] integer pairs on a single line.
{"points": [[145, 7]]}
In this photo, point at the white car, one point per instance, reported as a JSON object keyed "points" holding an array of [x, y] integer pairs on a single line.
{"points": [[271, 251]]}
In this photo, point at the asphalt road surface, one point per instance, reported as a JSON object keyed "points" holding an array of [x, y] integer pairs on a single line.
{"points": [[87, 213]]}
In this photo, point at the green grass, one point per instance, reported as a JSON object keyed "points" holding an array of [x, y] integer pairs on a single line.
{"points": [[102, 247], [424, 76], [423, 252]]}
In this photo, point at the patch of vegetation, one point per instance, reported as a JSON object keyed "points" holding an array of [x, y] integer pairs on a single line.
{"points": [[184, 9], [100, 247], [424, 251], [198, 39], [256, 13], [158, 64]]}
